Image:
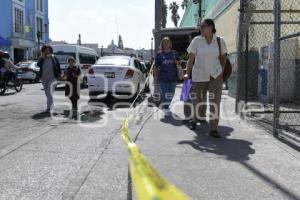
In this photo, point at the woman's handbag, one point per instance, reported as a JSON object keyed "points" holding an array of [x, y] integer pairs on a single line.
{"points": [[180, 72], [227, 67]]}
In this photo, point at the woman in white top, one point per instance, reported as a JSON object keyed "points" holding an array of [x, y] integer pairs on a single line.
{"points": [[206, 69]]}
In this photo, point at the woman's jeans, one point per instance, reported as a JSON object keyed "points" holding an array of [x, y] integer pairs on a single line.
{"points": [[167, 93], [49, 88]]}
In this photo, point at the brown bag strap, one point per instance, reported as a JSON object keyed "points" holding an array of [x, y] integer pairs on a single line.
{"points": [[219, 44]]}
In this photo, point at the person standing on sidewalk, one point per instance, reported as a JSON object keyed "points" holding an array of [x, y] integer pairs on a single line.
{"points": [[72, 76], [206, 73], [166, 69], [49, 72]]}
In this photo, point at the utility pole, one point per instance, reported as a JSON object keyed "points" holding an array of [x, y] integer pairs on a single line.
{"points": [[157, 31], [157, 36]]}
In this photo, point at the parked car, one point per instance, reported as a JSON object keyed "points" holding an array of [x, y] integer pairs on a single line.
{"points": [[30, 70], [146, 73], [118, 75], [85, 58]]}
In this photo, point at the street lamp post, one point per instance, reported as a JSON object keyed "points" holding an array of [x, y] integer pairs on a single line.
{"points": [[151, 50], [39, 36]]}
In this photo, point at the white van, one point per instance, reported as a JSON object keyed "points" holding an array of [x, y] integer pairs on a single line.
{"points": [[85, 58]]}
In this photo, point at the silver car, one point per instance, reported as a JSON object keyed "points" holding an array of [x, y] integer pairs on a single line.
{"points": [[29, 70]]}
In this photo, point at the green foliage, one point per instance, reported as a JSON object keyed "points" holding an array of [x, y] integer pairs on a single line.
{"points": [[164, 14], [184, 4], [174, 11]]}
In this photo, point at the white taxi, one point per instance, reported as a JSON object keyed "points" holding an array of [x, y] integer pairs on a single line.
{"points": [[121, 76]]}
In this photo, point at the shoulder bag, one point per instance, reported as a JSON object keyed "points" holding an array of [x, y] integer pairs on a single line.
{"points": [[180, 73], [227, 67]]}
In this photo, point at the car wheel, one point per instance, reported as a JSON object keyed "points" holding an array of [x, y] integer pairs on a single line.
{"points": [[2, 87]]}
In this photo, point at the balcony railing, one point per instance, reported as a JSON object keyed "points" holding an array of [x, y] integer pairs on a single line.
{"points": [[24, 32]]}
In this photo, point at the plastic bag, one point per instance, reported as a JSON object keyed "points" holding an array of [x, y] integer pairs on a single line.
{"points": [[185, 92]]}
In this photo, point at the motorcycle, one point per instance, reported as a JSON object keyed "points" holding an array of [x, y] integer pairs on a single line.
{"points": [[15, 83]]}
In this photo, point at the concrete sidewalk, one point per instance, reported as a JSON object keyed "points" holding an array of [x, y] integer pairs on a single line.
{"points": [[246, 163]]}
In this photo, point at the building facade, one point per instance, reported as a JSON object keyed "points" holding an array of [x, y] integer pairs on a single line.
{"points": [[24, 27], [225, 14], [258, 66]]}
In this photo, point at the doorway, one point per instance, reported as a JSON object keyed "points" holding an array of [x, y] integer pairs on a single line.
{"points": [[19, 55]]}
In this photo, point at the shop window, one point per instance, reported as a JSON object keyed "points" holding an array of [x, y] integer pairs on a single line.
{"points": [[39, 26], [19, 21], [39, 5]]}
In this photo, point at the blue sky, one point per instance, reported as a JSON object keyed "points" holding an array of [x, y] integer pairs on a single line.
{"points": [[100, 21]]}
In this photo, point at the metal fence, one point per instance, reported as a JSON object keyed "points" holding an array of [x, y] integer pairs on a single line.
{"points": [[269, 63]]}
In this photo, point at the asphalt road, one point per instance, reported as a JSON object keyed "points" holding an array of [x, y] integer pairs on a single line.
{"points": [[56, 157]]}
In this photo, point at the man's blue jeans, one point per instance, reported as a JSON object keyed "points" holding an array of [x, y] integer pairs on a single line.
{"points": [[167, 93], [49, 88]]}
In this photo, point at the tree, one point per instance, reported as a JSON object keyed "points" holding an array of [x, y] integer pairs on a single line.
{"points": [[184, 4], [164, 14], [174, 10]]}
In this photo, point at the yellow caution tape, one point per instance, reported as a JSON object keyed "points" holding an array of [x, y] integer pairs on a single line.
{"points": [[149, 185]]}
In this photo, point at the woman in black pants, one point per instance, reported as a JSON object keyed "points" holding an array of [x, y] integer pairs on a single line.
{"points": [[72, 89]]}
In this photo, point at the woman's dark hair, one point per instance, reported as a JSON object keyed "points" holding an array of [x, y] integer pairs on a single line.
{"points": [[47, 47], [210, 22], [71, 58]]}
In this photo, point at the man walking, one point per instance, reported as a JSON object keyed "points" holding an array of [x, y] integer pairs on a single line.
{"points": [[49, 71]]}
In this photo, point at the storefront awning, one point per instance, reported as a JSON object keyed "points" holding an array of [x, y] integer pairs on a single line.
{"points": [[4, 42]]}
